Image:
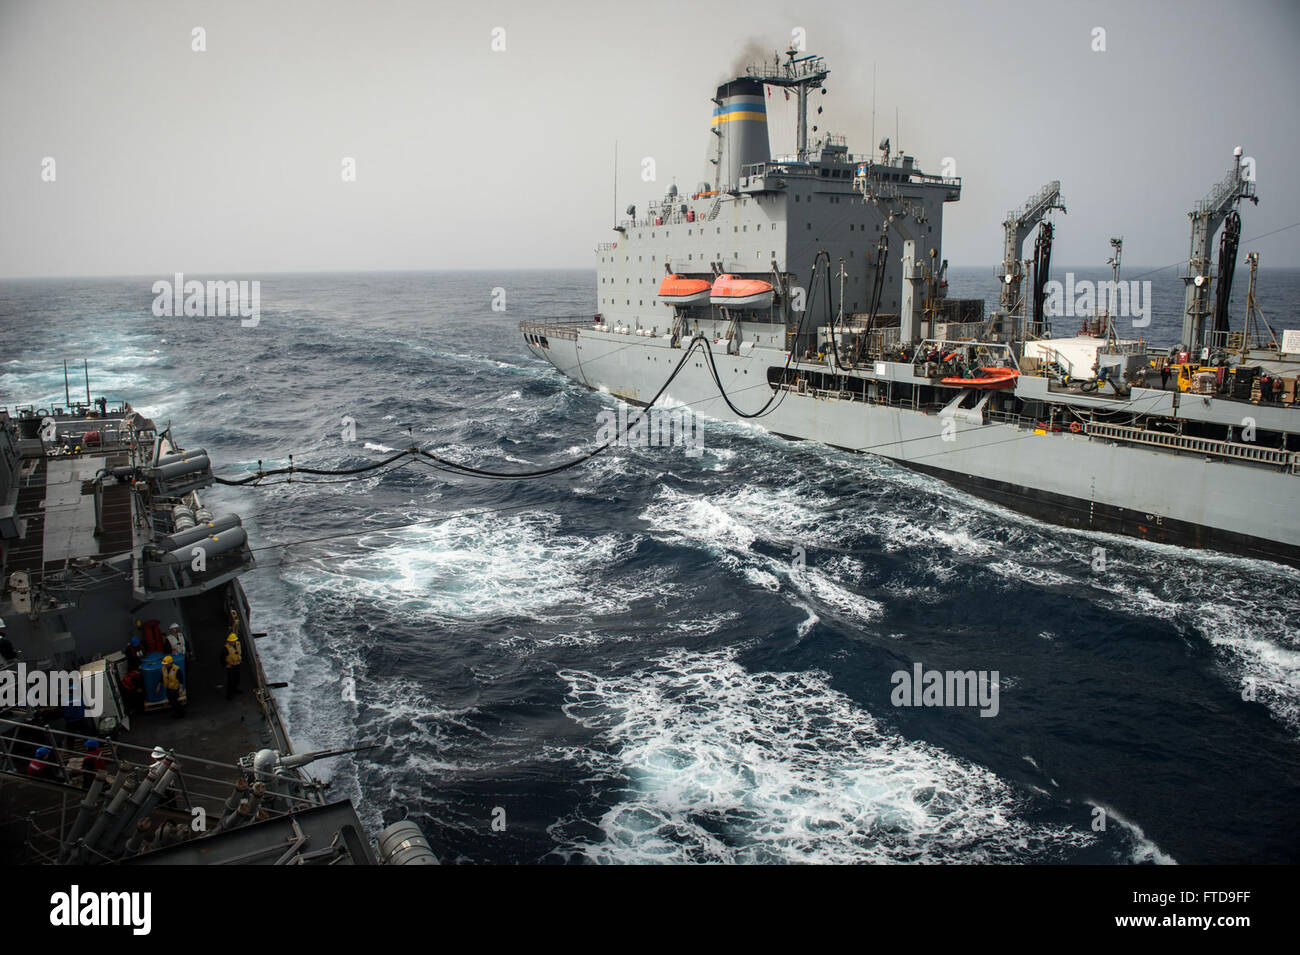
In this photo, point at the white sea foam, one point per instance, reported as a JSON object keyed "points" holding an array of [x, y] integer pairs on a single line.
{"points": [[718, 764], [476, 566], [1144, 851]]}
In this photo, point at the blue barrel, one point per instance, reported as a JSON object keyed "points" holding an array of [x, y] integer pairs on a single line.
{"points": [[151, 670]]}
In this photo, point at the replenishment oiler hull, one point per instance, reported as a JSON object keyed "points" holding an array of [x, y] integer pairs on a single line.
{"points": [[1099, 481], [860, 348]]}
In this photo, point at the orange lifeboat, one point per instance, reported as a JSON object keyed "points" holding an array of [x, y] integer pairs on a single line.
{"points": [[732, 291], [989, 378], [676, 290]]}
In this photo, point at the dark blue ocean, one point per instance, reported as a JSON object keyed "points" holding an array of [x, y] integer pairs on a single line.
{"points": [[626, 662]]}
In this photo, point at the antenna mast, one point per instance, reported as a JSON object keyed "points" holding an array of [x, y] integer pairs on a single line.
{"points": [[800, 73]]}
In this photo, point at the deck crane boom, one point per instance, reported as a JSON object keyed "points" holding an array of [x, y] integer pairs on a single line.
{"points": [[1019, 223], [1207, 216]]}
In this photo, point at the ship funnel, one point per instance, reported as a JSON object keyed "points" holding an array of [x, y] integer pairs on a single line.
{"points": [[740, 128]]}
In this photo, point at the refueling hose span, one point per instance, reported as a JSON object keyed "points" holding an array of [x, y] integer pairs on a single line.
{"points": [[455, 467]]}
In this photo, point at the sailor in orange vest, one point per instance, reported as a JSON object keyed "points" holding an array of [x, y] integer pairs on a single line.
{"points": [[233, 656], [171, 674]]}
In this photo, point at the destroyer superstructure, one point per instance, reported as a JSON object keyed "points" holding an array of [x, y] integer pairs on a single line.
{"points": [[104, 538], [858, 345]]}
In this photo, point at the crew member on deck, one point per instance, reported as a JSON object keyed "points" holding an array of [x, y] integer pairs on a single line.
{"points": [[91, 764], [133, 691], [41, 766], [233, 657], [171, 674], [176, 640], [133, 654]]}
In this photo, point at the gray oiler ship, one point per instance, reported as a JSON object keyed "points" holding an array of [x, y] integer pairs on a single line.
{"points": [[810, 291], [104, 539]]}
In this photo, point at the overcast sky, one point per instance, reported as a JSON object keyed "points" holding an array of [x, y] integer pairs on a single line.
{"points": [[229, 161]]}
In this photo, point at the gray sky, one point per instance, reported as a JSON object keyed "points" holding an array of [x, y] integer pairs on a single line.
{"points": [[229, 161]]}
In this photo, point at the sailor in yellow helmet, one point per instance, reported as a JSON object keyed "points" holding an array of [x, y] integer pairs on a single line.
{"points": [[233, 657], [171, 675]]}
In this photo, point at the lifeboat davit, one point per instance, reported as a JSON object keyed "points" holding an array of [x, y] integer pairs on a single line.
{"points": [[676, 290], [989, 378], [732, 291]]}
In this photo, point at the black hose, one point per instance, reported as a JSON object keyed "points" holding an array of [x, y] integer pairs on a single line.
{"points": [[1228, 243], [443, 464], [1042, 265]]}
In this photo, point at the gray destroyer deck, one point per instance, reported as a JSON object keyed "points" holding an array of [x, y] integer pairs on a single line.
{"points": [[94, 508]]}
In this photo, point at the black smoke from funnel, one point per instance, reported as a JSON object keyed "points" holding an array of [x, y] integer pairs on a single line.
{"points": [[752, 52]]}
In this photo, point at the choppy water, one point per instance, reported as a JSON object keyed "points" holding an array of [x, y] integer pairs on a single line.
{"points": [[630, 660]]}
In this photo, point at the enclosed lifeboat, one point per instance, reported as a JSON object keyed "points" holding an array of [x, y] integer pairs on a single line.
{"points": [[732, 291], [677, 290], [988, 378]]}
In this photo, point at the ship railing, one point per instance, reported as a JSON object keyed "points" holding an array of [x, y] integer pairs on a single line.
{"points": [[777, 73], [1008, 417], [19, 741], [116, 409], [677, 218], [1038, 198], [1232, 450], [566, 328], [1188, 271], [871, 170], [62, 780], [790, 168], [70, 425], [1231, 184], [1227, 341], [1138, 347]]}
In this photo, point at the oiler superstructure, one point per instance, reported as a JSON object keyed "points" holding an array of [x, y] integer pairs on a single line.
{"points": [[858, 346]]}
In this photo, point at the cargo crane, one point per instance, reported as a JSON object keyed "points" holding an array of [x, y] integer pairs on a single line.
{"points": [[1019, 223], [1207, 216]]}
